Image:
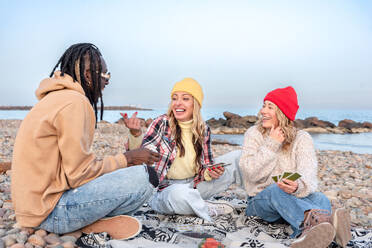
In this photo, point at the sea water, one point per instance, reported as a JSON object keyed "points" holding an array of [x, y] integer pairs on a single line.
{"points": [[359, 143]]}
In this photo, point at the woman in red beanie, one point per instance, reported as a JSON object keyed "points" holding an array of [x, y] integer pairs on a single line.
{"points": [[273, 151]]}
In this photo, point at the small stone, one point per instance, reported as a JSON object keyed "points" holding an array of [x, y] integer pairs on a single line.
{"points": [[41, 233], [28, 230], [67, 238], [2, 211], [52, 239], [12, 217], [345, 194], [13, 231], [9, 241], [28, 245], [36, 240], [18, 246], [77, 234], [2, 243], [8, 205], [68, 244], [2, 232], [21, 238]]}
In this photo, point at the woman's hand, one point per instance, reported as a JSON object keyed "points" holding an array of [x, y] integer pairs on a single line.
{"points": [[133, 123], [216, 171], [277, 134], [288, 186]]}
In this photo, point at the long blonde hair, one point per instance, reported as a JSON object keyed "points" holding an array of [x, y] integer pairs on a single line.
{"points": [[287, 126], [198, 129]]}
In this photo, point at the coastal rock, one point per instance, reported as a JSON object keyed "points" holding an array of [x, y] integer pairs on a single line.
{"points": [[310, 124], [316, 130], [213, 123], [315, 122], [349, 124], [367, 125], [227, 130]]}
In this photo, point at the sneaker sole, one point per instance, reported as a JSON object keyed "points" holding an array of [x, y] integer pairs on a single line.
{"points": [[222, 202], [320, 236], [118, 227], [342, 224]]}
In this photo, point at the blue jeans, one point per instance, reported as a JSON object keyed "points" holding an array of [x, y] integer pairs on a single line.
{"points": [[181, 198], [120, 192], [272, 203]]}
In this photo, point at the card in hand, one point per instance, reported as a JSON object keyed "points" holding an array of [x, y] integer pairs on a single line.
{"points": [[294, 176], [286, 175], [275, 178]]}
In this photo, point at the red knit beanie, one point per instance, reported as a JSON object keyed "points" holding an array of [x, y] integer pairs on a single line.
{"points": [[285, 99]]}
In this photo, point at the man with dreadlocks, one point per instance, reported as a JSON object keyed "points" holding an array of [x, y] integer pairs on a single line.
{"points": [[57, 183]]}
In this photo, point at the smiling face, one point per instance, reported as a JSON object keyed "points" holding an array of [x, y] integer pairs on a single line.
{"points": [[268, 115], [182, 105]]}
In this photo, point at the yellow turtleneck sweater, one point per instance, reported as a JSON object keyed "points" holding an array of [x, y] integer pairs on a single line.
{"points": [[184, 167]]}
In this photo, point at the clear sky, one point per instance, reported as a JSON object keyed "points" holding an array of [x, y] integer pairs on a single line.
{"points": [[237, 50]]}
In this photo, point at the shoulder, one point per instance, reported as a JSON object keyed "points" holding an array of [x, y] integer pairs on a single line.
{"points": [[68, 97], [303, 140], [161, 120], [159, 123], [253, 132], [302, 135]]}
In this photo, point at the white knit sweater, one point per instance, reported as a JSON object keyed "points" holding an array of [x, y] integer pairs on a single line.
{"points": [[262, 158]]}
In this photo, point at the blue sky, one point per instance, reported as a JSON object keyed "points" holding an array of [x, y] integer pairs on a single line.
{"points": [[237, 50]]}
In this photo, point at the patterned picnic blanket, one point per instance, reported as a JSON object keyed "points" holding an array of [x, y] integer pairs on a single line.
{"points": [[233, 230]]}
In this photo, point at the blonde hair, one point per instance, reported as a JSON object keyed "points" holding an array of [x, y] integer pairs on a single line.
{"points": [[198, 129], [287, 126]]}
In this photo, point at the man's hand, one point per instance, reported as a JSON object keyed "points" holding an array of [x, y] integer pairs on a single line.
{"points": [[141, 156], [216, 172], [133, 123], [288, 186]]}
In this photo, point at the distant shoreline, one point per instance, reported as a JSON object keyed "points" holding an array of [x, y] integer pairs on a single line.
{"points": [[105, 108]]}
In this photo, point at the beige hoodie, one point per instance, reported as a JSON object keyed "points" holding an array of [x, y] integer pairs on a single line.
{"points": [[52, 150]]}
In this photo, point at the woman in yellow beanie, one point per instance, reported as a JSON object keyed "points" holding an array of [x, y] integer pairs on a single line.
{"points": [[185, 169]]}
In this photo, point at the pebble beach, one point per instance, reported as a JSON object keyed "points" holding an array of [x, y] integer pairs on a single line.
{"points": [[345, 177]]}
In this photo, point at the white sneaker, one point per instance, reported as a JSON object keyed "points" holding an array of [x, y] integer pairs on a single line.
{"points": [[216, 208]]}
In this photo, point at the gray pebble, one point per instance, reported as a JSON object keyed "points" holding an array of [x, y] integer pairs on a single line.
{"points": [[67, 238]]}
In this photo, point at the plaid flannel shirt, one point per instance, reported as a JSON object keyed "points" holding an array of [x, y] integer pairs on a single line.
{"points": [[158, 138]]}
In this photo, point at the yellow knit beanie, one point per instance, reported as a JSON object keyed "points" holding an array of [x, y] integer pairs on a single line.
{"points": [[190, 86]]}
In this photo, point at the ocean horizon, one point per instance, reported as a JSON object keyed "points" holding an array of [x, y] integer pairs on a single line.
{"points": [[358, 143]]}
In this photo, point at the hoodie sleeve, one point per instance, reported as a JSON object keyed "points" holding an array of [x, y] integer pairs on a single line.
{"points": [[75, 125]]}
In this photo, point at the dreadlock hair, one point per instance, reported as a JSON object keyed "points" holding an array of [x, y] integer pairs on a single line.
{"points": [[74, 61]]}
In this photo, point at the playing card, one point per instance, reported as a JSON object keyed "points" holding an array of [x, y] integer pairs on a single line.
{"points": [[294, 176], [286, 174], [275, 178]]}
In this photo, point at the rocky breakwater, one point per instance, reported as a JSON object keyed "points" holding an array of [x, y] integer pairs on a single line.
{"points": [[236, 124]]}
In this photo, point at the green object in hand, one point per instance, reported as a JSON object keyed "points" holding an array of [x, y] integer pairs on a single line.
{"points": [[294, 176]]}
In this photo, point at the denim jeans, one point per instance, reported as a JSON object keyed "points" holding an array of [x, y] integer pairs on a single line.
{"points": [[272, 203], [181, 198], [120, 192]]}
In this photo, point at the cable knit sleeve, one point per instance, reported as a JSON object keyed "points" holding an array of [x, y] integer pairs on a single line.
{"points": [[306, 164], [257, 156]]}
